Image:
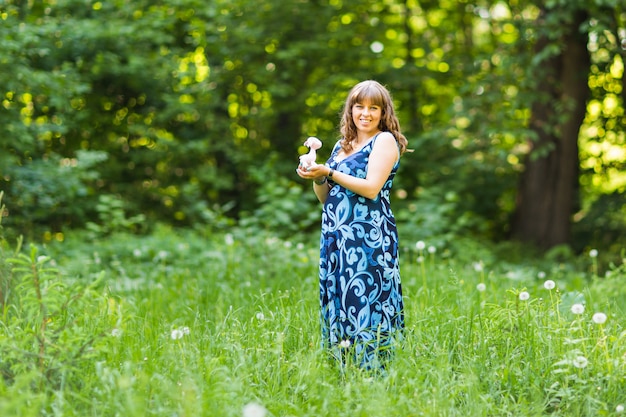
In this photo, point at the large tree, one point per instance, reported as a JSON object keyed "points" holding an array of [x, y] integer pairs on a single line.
{"points": [[548, 193], [548, 196]]}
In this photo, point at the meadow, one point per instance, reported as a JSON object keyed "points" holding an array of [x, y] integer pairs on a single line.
{"points": [[184, 323]]}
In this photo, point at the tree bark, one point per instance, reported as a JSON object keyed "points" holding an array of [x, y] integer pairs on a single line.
{"points": [[548, 190]]}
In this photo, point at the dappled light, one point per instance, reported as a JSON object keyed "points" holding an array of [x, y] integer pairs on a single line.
{"points": [[202, 107]]}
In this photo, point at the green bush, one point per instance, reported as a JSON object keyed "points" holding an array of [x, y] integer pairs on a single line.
{"points": [[112, 218], [46, 194], [48, 338]]}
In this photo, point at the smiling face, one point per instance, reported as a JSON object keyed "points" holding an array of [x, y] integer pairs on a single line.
{"points": [[366, 117], [368, 110]]}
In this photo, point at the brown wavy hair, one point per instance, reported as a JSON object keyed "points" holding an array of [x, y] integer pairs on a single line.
{"points": [[375, 93]]}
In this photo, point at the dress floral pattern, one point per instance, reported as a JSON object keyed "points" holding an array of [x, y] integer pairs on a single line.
{"points": [[360, 289]]}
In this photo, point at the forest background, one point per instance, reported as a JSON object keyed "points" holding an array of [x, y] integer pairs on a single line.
{"points": [[119, 115]]}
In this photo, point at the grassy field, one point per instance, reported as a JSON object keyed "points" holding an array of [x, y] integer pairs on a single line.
{"points": [[179, 324]]}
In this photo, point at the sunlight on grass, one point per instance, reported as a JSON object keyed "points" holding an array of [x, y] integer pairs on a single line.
{"points": [[227, 325]]}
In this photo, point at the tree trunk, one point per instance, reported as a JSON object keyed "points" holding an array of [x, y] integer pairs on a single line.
{"points": [[548, 191]]}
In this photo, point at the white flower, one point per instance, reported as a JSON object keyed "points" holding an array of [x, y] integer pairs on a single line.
{"points": [[176, 334], [599, 318], [478, 266], [186, 330], [116, 332], [344, 344], [254, 410], [549, 284], [578, 309], [593, 253], [432, 249], [619, 409], [420, 245], [481, 287], [137, 253], [260, 316], [524, 296], [229, 239], [580, 362], [541, 275]]}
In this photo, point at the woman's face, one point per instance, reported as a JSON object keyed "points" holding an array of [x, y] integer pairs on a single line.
{"points": [[366, 117]]}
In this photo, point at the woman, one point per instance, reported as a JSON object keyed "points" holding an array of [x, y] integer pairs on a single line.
{"points": [[360, 291]]}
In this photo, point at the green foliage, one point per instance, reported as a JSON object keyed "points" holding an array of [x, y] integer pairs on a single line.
{"points": [[191, 323], [283, 207], [5, 271], [604, 225], [112, 216], [53, 191], [47, 341], [188, 98]]}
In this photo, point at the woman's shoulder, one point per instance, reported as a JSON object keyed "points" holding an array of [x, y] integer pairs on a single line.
{"points": [[386, 143], [386, 138]]}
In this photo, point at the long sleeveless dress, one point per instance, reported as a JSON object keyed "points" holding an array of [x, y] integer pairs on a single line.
{"points": [[360, 290]]}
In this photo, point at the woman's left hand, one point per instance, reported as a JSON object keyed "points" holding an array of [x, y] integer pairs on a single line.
{"points": [[314, 172]]}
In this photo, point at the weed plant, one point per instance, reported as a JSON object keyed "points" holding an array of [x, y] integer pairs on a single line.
{"points": [[181, 324]]}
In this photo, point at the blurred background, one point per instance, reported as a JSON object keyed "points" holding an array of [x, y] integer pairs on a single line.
{"points": [[122, 115]]}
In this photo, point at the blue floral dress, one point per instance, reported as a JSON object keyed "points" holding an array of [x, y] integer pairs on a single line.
{"points": [[360, 290]]}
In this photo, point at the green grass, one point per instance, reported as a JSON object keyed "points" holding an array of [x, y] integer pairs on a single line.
{"points": [[179, 324]]}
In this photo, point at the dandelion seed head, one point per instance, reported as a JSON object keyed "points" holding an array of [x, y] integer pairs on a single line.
{"points": [[432, 249], [619, 409], [185, 330], [260, 316], [345, 344], [549, 285], [136, 253], [524, 295], [254, 410], [578, 309], [599, 318], [593, 253], [420, 245], [580, 362], [420, 259], [176, 334], [481, 287], [116, 332], [229, 239], [541, 275], [478, 266]]}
